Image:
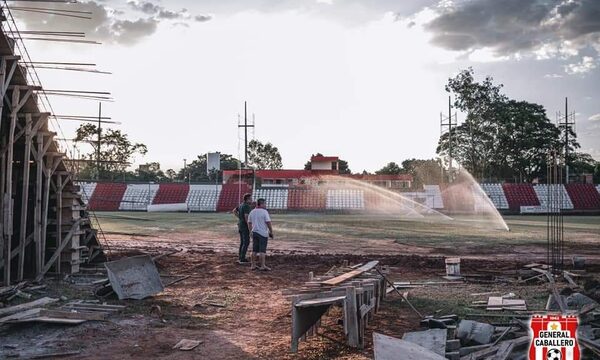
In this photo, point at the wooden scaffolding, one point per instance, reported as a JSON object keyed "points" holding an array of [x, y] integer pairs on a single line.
{"points": [[44, 226]]}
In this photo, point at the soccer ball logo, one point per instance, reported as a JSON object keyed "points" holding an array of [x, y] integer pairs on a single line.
{"points": [[553, 354]]}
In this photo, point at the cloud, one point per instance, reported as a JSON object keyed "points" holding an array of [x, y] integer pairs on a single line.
{"points": [[553, 76], [595, 117], [105, 24], [551, 27], [158, 11], [144, 6], [587, 64], [202, 18]]}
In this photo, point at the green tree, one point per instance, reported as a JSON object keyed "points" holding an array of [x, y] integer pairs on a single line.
{"points": [[197, 169], [150, 172], [171, 174], [116, 152], [343, 167], [263, 156], [424, 172], [500, 138], [390, 169]]}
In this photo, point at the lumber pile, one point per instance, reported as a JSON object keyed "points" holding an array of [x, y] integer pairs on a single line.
{"points": [[72, 313]]}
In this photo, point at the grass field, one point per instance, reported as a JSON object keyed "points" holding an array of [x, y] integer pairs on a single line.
{"points": [[326, 232]]}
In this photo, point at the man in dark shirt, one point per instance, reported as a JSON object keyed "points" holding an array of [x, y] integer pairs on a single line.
{"points": [[241, 212]]}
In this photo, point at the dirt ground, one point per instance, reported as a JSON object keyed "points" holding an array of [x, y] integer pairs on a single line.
{"points": [[253, 318]]}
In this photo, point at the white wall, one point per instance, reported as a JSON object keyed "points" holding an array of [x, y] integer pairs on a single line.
{"points": [[324, 165]]}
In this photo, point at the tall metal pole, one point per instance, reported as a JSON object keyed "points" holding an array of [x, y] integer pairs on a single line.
{"points": [[450, 133], [567, 128], [184, 169], [99, 140], [245, 135]]}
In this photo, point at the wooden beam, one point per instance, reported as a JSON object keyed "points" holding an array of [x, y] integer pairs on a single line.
{"points": [[8, 200], [37, 232], [59, 187], [24, 198], [58, 250], [15, 251], [351, 274]]}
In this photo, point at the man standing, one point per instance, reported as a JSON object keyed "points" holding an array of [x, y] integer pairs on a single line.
{"points": [[260, 223], [242, 212]]}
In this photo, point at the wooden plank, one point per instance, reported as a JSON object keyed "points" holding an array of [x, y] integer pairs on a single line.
{"points": [[504, 351], [351, 274], [21, 315], [51, 320], [351, 317], [433, 339], [390, 348], [79, 315], [490, 351], [319, 301], [26, 306]]}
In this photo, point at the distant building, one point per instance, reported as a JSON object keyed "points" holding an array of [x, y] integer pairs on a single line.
{"points": [[321, 166]]}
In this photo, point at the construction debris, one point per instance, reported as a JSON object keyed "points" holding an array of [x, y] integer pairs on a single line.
{"points": [[187, 345], [499, 303], [390, 348], [26, 306], [134, 277], [476, 332], [434, 339], [358, 290]]}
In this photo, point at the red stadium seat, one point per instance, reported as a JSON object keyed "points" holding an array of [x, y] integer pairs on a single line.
{"points": [[519, 195], [175, 193], [232, 195], [107, 196], [584, 196]]}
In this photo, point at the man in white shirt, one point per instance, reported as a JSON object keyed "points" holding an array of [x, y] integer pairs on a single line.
{"points": [[260, 223]]}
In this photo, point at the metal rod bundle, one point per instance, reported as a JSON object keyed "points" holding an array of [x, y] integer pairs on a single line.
{"points": [[554, 201]]}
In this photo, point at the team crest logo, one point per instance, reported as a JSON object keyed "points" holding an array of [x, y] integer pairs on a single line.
{"points": [[554, 338]]}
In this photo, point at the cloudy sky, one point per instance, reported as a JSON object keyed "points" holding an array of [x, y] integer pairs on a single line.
{"points": [[362, 79]]}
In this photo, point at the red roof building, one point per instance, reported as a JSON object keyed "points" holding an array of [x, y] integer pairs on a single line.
{"points": [[320, 166]]}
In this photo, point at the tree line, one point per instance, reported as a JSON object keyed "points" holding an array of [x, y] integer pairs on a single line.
{"points": [[500, 139]]}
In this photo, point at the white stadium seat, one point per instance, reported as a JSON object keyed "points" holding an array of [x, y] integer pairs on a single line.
{"points": [[496, 193], [541, 190], [345, 199], [203, 197], [137, 197], [86, 190], [277, 198]]}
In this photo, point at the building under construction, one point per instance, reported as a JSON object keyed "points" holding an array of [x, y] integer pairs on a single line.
{"points": [[44, 225]]}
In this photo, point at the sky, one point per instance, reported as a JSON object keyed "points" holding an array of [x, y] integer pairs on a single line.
{"points": [[363, 80]]}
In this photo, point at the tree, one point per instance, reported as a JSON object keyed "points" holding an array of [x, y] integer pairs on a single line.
{"points": [[343, 167], [171, 174], [150, 172], [424, 172], [390, 169], [196, 170], [500, 138], [116, 152], [263, 156]]}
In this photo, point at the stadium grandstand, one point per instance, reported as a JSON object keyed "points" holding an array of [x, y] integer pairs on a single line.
{"points": [[323, 189]]}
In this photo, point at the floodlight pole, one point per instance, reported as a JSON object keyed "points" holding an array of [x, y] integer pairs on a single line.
{"points": [[448, 122], [245, 126], [566, 122]]}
